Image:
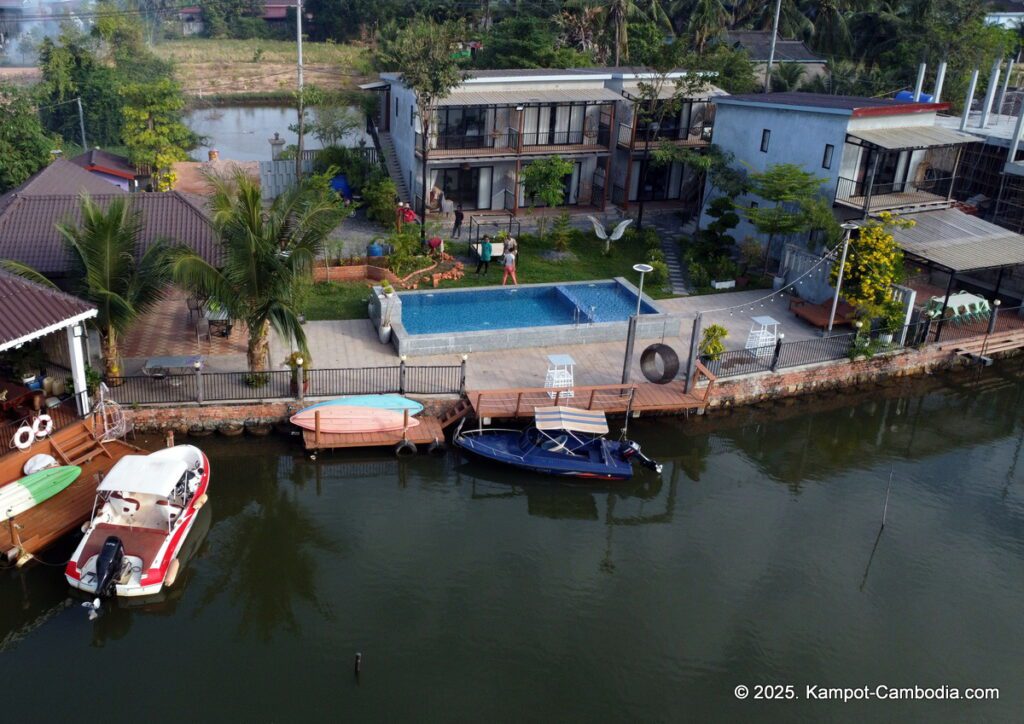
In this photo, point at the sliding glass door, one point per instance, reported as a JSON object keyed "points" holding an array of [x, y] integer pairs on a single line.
{"points": [[470, 187]]}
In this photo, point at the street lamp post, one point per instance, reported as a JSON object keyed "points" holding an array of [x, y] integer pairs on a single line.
{"points": [[652, 127], [643, 269], [848, 227]]}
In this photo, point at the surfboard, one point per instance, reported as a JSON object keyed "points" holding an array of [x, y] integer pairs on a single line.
{"points": [[346, 418], [379, 402], [19, 496]]}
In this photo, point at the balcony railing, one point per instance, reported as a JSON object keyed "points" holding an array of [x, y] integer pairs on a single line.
{"points": [[510, 141], [693, 136], [894, 195]]}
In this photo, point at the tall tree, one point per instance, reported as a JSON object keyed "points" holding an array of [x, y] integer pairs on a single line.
{"points": [[544, 182], [109, 271], [424, 53], [786, 76], [153, 129], [24, 145], [267, 252], [708, 19], [791, 192]]}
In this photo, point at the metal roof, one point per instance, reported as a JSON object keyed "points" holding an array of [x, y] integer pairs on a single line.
{"points": [[99, 160], [28, 231], [529, 97], [758, 43], [959, 241], [825, 103], [571, 419], [65, 177], [913, 137], [31, 310]]}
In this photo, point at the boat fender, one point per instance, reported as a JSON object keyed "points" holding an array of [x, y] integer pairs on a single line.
{"points": [[437, 447], [172, 573], [202, 501], [42, 426], [23, 437], [85, 526], [405, 448], [42, 461]]}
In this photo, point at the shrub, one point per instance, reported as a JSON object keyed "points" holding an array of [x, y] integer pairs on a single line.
{"points": [[379, 196], [659, 274], [561, 232], [722, 269], [348, 161], [699, 276], [655, 255]]}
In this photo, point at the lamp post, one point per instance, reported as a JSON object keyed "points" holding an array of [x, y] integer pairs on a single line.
{"points": [[651, 127], [848, 227], [631, 334]]}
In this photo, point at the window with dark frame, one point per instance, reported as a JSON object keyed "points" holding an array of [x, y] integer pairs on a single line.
{"points": [[826, 159], [753, 204], [766, 136], [396, 108], [412, 115]]}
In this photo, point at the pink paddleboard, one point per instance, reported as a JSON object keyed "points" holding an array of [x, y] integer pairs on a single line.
{"points": [[341, 418]]}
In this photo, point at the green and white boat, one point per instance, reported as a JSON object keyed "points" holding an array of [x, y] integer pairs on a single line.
{"points": [[19, 496]]}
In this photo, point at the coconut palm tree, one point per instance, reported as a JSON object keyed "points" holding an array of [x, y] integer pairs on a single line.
{"points": [[108, 271], [831, 29], [707, 20], [787, 76], [267, 253]]}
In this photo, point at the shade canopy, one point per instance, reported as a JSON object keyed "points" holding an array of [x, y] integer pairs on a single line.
{"points": [[142, 474], [907, 137], [959, 242], [570, 419]]}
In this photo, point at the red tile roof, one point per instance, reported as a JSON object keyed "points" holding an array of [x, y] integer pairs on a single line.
{"points": [[28, 233], [31, 310]]}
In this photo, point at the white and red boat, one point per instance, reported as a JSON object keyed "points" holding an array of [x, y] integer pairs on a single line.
{"points": [[144, 509]]}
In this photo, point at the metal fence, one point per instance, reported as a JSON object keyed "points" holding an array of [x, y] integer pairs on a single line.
{"points": [[206, 387]]}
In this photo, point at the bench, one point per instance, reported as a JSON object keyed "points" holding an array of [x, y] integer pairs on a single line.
{"points": [[817, 315]]}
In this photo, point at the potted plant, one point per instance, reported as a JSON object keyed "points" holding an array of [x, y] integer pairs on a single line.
{"points": [[711, 342], [891, 320], [386, 308], [724, 272], [295, 361]]}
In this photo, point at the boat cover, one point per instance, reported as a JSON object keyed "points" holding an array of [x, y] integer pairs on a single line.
{"points": [[142, 474], [571, 419]]}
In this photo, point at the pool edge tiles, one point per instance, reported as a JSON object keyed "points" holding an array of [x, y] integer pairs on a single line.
{"points": [[652, 324]]}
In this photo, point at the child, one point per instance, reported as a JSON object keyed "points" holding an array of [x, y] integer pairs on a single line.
{"points": [[509, 262]]}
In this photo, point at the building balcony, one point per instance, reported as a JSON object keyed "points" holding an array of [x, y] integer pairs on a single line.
{"points": [[643, 138], [510, 143], [872, 198]]}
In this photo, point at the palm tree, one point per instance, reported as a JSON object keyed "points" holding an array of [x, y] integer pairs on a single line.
{"points": [[266, 254], [831, 29], [617, 14], [707, 20], [107, 270], [787, 76]]}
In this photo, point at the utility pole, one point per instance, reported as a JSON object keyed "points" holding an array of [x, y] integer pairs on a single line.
{"points": [[302, 107], [848, 227], [81, 123], [771, 50]]}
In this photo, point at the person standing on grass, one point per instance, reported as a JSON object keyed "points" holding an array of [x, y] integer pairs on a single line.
{"points": [[457, 228], [509, 262], [485, 255]]}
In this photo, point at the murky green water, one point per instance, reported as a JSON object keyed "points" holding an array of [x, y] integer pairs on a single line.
{"points": [[475, 594]]}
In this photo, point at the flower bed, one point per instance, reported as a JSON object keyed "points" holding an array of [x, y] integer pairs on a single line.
{"points": [[447, 267]]}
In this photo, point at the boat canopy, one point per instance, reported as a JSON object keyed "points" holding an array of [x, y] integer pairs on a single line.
{"points": [[571, 419], [142, 474]]}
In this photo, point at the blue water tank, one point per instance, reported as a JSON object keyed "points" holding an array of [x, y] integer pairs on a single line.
{"points": [[374, 249], [908, 97]]}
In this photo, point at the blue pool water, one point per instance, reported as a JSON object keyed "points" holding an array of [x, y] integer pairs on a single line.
{"points": [[511, 308]]}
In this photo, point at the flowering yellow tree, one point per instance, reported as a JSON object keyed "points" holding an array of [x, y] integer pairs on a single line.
{"points": [[874, 263]]}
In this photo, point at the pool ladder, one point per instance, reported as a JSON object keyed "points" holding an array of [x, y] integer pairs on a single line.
{"points": [[576, 315]]}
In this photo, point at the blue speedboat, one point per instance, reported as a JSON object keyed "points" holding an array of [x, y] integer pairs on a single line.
{"points": [[563, 441]]}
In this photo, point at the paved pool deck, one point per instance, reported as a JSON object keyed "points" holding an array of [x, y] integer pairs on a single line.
{"points": [[354, 343]]}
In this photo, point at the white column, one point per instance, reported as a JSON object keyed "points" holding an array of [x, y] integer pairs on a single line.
{"points": [[76, 353], [990, 93], [940, 79]]}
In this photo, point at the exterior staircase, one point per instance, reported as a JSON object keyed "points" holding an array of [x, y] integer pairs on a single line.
{"points": [[394, 170], [79, 448]]}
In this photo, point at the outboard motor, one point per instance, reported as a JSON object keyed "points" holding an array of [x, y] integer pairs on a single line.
{"points": [[630, 449], [108, 565]]}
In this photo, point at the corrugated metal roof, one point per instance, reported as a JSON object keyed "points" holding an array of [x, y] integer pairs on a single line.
{"points": [[106, 161], [64, 177], [28, 233], [913, 137], [826, 101], [30, 310], [758, 43], [959, 241], [529, 97]]}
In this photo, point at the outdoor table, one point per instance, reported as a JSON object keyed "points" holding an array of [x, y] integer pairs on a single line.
{"points": [[956, 301], [160, 367], [560, 374]]}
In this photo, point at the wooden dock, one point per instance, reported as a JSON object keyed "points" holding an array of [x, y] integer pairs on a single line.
{"points": [[612, 399], [32, 531], [426, 432]]}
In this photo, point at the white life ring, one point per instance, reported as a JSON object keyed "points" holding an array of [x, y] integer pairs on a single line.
{"points": [[42, 426], [24, 437]]}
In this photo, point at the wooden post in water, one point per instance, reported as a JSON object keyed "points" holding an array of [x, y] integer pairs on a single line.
{"points": [[405, 424], [316, 427]]}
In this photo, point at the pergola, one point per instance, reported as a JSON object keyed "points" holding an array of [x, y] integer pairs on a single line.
{"points": [[955, 242], [32, 311]]}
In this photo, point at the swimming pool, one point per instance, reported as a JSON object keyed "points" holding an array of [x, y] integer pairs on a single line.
{"points": [[513, 307], [530, 315]]}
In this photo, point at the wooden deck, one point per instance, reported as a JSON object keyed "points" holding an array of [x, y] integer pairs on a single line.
{"points": [[39, 527], [905, 200], [425, 433], [612, 399]]}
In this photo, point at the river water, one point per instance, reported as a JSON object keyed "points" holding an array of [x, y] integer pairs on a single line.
{"points": [[478, 594], [242, 133]]}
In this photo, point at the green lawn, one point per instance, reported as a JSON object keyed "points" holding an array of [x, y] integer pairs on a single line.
{"points": [[335, 300]]}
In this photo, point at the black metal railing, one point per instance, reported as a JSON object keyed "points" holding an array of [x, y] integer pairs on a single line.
{"points": [[693, 135], [886, 195], [207, 387]]}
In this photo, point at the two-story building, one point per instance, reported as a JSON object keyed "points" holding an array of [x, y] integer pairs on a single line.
{"points": [[496, 122]]}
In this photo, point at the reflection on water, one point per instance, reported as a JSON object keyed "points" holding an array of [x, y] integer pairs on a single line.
{"points": [[477, 592], [242, 133]]}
